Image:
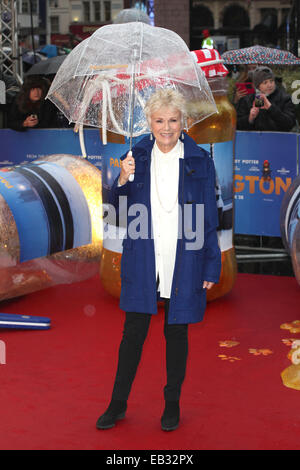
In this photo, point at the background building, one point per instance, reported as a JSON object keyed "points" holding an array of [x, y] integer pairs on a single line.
{"points": [[251, 21], [74, 20], [233, 23]]}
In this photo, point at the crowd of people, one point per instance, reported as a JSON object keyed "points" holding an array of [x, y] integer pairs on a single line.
{"points": [[260, 99]]}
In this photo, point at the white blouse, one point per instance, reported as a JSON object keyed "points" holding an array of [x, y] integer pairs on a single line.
{"points": [[164, 209]]}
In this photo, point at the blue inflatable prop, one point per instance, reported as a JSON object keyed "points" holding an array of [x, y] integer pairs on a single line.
{"points": [[50, 224], [290, 224], [27, 322]]}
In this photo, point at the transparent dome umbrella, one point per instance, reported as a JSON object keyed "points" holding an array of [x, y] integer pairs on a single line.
{"points": [[107, 79]]}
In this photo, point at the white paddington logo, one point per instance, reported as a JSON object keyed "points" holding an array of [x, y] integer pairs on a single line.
{"points": [[2, 352], [296, 93]]}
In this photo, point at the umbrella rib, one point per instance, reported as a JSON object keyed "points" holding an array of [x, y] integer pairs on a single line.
{"points": [[111, 113], [141, 46], [82, 53]]}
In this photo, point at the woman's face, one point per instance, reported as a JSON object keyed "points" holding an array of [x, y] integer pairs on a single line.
{"points": [[166, 126], [35, 94], [267, 86]]}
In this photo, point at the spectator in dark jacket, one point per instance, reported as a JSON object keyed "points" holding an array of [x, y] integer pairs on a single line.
{"points": [[276, 113], [30, 109]]}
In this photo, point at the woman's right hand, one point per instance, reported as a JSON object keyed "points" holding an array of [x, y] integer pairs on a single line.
{"points": [[239, 94], [127, 168], [253, 113], [30, 121]]}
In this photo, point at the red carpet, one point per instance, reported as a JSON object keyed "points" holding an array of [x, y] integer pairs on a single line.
{"points": [[56, 383]]}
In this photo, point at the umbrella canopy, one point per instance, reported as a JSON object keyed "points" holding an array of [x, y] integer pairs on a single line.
{"points": [[107, 79], [260, 55], [31, 58], [47, 67], [50, 50], [131, 14]]}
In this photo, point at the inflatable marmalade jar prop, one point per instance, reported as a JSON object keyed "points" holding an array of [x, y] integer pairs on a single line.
{"points": [[290, 224], [50, 224], [216, 134], [291, 375]]}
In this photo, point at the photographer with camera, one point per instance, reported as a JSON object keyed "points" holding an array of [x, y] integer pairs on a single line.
{"points": [[270, 110]]}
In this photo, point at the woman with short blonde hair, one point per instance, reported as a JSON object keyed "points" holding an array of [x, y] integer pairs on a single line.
{"points": [[171, 172]]}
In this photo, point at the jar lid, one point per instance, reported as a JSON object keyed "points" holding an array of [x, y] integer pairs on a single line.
{"points": [[210, 62]]}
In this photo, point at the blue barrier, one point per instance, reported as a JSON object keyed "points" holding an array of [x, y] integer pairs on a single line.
{"points": [[23, 147], [265, 165]]}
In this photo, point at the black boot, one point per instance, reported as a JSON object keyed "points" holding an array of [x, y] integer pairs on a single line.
{"points": [[114, 412], [170, 417]]}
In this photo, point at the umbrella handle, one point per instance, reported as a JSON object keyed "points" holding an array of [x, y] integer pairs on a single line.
{"points": [[131, 177], [104, 112], [81, 140], [132, 94]]}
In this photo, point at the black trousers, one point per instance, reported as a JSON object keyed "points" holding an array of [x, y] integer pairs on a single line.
{"points": [[134, 334]]}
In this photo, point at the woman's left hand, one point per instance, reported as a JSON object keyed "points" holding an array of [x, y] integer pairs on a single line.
{"points": [[267, 103], [207, 284]]}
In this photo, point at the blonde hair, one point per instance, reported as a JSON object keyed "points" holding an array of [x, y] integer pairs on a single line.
{"points": [[166, 97]]}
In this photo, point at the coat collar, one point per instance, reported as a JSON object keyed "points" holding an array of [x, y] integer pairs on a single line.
{"points": [[193, 165]]}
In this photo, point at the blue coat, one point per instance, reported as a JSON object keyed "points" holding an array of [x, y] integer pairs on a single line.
{"points": [[192, 267]]}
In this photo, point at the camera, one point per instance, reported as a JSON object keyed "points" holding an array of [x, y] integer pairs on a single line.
{"points": [[259, 102]]}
